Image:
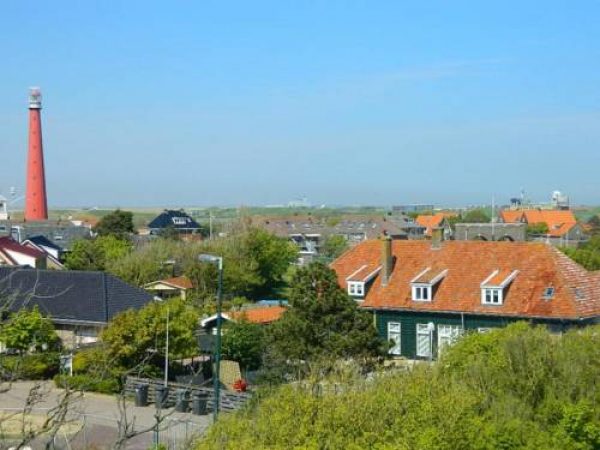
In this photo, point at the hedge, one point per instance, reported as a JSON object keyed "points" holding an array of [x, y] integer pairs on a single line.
{"points": [[35, 366]]}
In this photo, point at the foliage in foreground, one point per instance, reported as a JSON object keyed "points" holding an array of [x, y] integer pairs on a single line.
{"points": [[28, 330], [519, 387], [587, 255]]}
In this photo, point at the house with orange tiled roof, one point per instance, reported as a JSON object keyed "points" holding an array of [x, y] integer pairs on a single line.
{"points": [[437, 220], [425, 294], [260, 315], [562, 224], [170, 287]]}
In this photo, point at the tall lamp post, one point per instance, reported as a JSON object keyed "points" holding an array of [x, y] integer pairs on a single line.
{"points": [[218, 260]]}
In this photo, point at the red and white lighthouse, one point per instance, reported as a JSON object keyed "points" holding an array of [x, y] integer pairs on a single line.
{"points": [[36, 205]]}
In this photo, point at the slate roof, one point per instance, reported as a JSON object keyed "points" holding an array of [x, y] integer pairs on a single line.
{"points": [[74, 296], [179, 220], [470, 263]]}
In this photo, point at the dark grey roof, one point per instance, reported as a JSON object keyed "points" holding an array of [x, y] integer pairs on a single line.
{"points": [[178, 220], [79, 296], [61, 234], [43, 241]]}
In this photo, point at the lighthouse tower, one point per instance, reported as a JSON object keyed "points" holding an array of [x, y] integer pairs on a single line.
{"points": [[36, 206]]}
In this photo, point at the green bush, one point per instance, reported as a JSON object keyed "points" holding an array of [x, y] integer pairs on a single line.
{"points": [[35, 366], [518, 387], [88, 383]]}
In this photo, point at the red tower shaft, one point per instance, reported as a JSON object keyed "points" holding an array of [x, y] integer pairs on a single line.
{"points": [[36, 206]]}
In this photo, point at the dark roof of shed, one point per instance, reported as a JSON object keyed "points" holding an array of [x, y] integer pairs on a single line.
{"points": [[80, 296]]}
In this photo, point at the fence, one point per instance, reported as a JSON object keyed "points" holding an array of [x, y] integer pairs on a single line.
{"points": [[229, 401]]}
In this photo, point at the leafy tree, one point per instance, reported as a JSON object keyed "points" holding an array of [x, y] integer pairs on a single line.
{"points": [[117, 223], [322, 323], [475, 216], [587, 255], [537, 229], [244, 342], [28, 329], [134, 336], [594, 223], [96, 254], [334, 246]]}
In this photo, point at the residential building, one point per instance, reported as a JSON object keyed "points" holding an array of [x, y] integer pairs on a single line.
{"points": [[170, 287], [178, 221], [14, 254], [425, 294], [437, 220], [563, 228], [61, 234], [260, 315], [79, 303], [490, 231], [309, 233]]}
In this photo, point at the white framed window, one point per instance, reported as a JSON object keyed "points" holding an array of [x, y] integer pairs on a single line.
{"points": [[484, 329], [447, 335], [356, 288], [424, 340], [393, 334], [179, 220], [491, 296], [421, 292]]}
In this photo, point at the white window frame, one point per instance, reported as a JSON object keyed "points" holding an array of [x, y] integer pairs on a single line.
{"points": [[356, 288], [179, 220], [484, 329], [447, 335], [421, 292], [493, 296], [396, 350], [424, 331]]}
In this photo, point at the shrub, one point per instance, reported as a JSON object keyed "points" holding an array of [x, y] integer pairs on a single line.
{"points": [[88, 383], [35, 366]]}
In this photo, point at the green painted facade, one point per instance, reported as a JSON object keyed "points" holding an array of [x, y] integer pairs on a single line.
{"points": [[468, 322]]}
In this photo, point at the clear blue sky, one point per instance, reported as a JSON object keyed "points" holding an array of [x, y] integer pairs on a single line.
{"points": [[355, 102]]}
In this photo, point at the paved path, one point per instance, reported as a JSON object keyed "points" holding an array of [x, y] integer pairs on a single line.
{"points": [[101, 413]]}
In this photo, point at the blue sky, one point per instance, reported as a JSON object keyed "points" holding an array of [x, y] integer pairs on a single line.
{"points": [[205, 103]]}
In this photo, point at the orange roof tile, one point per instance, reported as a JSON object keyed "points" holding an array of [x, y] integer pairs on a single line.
{"points": [[181, 282], [469, 263], [430, 221], [263, 315], [511, 216]]}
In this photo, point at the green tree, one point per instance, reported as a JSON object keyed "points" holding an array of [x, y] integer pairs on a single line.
{"points": [[322, 323], [96, 254], [133, 336], [334, 246], [28, 329], [475, 216], [537, 229], [244, 342], [117, 223], [594, 224]]}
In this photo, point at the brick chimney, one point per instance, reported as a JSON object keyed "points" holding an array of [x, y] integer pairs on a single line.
{"points": [[437, 237], [387, 260]]}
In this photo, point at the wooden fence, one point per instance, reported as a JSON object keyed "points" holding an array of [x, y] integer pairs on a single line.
{"points": [[229, 400]]}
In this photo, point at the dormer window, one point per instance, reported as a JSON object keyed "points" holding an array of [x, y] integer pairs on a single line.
{"points": [[492, 288], [423, 284], [356, 288], [357, 282], [179, 220]]}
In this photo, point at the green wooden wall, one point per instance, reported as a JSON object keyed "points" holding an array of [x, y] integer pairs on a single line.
{"points": [[409, 321]]}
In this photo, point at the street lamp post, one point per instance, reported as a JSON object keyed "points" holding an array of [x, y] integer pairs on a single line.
{"points": [[216, 377]]}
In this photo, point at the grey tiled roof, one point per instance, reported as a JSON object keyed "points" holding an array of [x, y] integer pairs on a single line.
{"points": [[79, 296], [61, 234]]}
